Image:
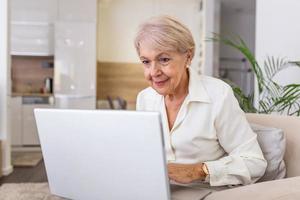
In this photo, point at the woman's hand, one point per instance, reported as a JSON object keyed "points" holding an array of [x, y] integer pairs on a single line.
{"points": [[186, 173]]}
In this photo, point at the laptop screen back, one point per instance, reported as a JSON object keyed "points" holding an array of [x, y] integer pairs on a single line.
{"points": [[93, 154]]}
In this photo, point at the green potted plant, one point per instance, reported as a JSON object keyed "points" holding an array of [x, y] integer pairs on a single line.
{"points": [[273, 97]]}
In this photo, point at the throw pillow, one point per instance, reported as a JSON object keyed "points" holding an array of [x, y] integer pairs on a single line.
{"points": [[272, 142]]}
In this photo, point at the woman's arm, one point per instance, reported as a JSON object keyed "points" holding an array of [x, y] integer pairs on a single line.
{"points": [[245, 162], [187, 173]]}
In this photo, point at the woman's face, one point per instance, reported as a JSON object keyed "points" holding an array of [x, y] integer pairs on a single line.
{"points": [[165, 71]]}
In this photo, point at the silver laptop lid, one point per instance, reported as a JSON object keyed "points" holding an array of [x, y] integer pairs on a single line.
{"points": [[109, 155]]}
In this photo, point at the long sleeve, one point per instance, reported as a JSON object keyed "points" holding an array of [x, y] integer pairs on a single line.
{"points": [[244, 163]]}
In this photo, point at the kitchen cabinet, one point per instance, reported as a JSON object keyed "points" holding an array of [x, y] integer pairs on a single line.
{"points": [[32, 23], [77, 10], [75, 54], [32, 38], [22, 122], [33, 10], [30, 134], [16, 120], [32, 27]]}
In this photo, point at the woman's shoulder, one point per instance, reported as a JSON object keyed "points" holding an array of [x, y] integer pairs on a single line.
{"points": [[212, 83], [148, 92], [216, 89], [147, 99]]}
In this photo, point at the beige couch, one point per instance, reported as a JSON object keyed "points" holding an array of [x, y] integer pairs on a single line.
{"points": [[284, 189]]}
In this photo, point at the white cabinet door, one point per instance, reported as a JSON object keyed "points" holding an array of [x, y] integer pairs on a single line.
{"points": [[30, 135], [29, 38], [15, 122], [75, 59], [87, 103], [32, 26], [33, 10], [77, 10]]}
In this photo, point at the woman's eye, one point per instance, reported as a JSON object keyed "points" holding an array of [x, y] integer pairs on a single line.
{"points": [[145, 62], [164, 60]]}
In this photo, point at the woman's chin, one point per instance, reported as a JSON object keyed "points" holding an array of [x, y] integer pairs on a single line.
{"points": [[159, 90]]}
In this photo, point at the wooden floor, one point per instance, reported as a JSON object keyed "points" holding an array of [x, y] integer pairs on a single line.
{"points": [[26, 174]]}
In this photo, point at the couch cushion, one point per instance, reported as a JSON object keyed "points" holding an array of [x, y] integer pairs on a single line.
{"points": [[284, 189], [272, 143]]}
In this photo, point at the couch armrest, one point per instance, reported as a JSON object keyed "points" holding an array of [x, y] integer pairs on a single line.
{"points": [[284, 189]]}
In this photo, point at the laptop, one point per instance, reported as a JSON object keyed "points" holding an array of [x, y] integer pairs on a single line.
{"points": [[103, 154]]}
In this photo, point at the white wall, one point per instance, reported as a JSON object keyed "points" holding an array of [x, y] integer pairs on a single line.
{"points": [[118, 22], [117, 25], [4, 84], [278, 34]]}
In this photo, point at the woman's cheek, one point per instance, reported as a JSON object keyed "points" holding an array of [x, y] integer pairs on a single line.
{"points": [[146, 74], [148, 78]]}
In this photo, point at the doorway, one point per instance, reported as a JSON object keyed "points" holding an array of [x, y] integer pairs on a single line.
{"points": [[237, 19]]}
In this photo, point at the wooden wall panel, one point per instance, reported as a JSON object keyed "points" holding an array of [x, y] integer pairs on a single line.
{"points": [[120, 80], [27, 73]]}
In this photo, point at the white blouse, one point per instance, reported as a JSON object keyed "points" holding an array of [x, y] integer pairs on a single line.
{"points": [[210, 127]]}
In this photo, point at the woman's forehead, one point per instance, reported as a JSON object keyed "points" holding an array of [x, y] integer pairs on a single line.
{"points": [[147, 49], [154, 53]]}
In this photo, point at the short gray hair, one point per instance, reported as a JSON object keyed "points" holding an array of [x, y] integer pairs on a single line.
{"points": [[165, 33]]}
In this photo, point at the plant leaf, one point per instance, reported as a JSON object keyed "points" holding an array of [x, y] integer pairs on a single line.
{"points": [[272, 66]]}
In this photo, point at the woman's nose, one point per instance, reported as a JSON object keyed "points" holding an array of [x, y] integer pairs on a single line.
{"points": [[155, 69]]}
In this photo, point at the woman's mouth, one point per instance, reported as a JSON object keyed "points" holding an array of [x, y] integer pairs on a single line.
{"points": [[160, 83]]}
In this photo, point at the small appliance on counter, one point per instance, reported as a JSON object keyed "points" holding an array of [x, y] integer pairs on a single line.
{"points": [[48, 85]]}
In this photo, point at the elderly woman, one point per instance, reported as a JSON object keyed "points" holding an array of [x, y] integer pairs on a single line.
{"points": [[207, 137]]}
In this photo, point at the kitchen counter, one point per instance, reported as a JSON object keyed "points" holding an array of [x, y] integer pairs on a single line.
{"points": [[16, 94]]}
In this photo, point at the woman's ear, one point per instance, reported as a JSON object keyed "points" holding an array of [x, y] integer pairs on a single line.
{"points": [[189, 56]]}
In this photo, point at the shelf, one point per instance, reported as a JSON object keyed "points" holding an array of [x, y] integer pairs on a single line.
{"points": [[16, 94], [15, 53], [31, 23]]}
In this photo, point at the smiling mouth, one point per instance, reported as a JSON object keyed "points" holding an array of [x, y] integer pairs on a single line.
{"points": [[160, 83]]}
